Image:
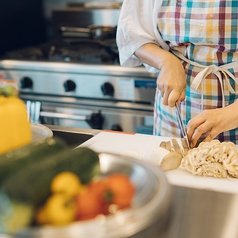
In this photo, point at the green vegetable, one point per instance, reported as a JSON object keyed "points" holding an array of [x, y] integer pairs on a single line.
{"points": [[30, 186], [14, 160], [9, 90]]}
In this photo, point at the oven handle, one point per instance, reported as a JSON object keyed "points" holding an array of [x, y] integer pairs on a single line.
{"points": [[95, 120], [63, 116], [94, 31]]}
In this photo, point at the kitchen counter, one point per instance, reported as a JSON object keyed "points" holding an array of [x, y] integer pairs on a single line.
{"points": [[196, 212]]}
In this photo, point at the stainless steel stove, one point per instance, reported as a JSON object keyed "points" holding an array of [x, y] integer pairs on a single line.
{"points": [[78, 82]]}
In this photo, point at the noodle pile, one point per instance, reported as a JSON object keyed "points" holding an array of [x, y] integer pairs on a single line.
{"points": [[215, 159]]}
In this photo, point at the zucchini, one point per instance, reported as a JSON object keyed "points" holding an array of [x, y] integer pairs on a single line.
{"points": [[14, 160], [30, 187]]}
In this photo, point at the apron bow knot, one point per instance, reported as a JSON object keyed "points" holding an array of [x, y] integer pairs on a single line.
{"points": [[212, 69]]}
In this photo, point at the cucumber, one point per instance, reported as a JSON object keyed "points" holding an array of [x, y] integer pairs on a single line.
{"points": [[14, 160], [30, 187]]}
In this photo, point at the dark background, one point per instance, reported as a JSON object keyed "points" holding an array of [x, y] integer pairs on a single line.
{"points": [[21, 24]]}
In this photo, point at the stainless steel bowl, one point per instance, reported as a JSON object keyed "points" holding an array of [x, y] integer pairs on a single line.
{"points": [[40, 132], [147, 217]]}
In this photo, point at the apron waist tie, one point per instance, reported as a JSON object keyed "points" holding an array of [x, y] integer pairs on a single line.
{"points": [[212, 69]]}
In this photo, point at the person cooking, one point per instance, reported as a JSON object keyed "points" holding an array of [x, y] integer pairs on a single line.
{"points": [[193, 45]]}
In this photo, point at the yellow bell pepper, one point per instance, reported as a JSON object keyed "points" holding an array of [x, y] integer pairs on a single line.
{"points": [[15, 130], [59, 209]]}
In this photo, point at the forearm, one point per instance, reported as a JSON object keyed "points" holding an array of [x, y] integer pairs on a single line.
{"points": [[172, 79], [155, 56]]}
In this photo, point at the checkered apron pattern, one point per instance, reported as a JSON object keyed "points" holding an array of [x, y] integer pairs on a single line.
{"points": [[204, 35]]}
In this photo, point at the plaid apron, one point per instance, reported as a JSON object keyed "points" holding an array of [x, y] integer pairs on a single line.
{"points": [[204, 35]]}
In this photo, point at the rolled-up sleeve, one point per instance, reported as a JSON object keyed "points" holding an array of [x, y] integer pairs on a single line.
{"points": [[137, 26]]}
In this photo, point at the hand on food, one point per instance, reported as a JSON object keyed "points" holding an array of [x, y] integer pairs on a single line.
{"points": [[209, 123]]}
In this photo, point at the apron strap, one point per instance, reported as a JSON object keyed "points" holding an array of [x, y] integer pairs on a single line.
{"points": [[211, 69]]}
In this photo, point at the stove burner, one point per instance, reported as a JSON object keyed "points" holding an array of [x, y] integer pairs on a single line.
{"points": [[84, 52], [75, 50], [30, 53]]}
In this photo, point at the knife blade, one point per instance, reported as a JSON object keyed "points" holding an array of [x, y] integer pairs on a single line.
{"points": [[181, 124]]}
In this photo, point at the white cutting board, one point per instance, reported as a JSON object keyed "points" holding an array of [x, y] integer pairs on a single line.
{"points": [[139, 146]]}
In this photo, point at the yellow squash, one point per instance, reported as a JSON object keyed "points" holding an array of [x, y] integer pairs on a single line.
{"points": [[15, 130]]}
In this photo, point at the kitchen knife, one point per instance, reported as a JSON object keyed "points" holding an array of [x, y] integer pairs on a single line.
{"points": [[182, 126]]}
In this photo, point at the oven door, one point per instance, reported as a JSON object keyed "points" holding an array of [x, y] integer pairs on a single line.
{"points": [[94, 114]]}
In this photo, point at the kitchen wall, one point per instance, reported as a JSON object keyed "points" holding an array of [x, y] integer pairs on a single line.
{"points": [[21, 24]]}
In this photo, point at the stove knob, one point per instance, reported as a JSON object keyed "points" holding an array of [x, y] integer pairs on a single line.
{"points": [[95, 120], [107, 89], [26, 82], [69, 85], [116, 127]]}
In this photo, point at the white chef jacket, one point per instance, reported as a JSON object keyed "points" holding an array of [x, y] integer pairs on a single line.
{"points": [[137, 33]]}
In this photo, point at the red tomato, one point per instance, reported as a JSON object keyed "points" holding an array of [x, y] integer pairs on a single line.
{"points": [[88, 205], [99, 188], [114, 189], [119, 190]]}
